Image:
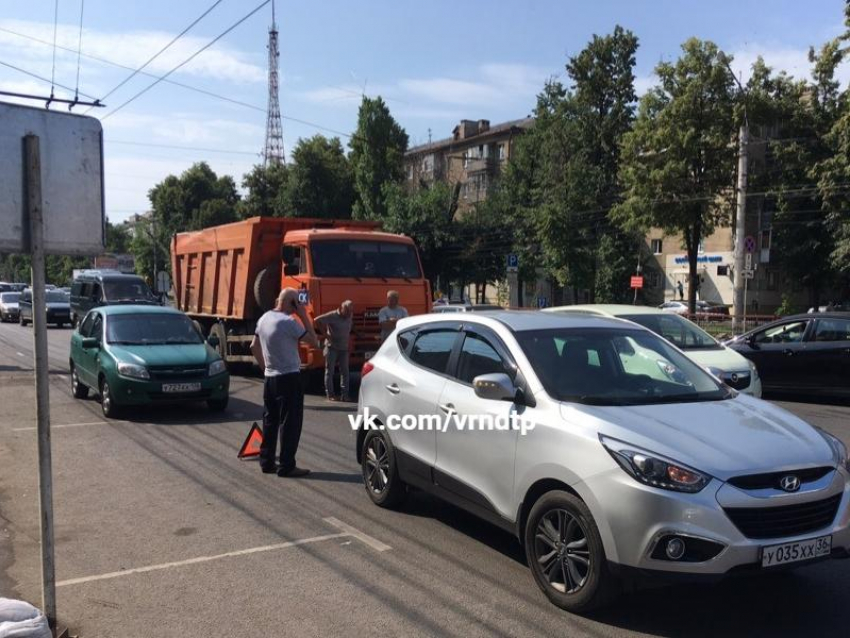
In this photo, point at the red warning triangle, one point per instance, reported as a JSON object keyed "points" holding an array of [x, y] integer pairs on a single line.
{"points": [[251, 447]]}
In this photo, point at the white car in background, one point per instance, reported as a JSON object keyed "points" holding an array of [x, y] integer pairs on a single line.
{"points": [[729, 366]]}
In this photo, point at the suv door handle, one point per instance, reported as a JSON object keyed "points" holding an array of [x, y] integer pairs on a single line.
{"points": [[393, 387], [448, 408]]}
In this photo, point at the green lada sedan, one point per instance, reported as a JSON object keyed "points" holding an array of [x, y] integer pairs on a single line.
{"points": [[144, 355]]}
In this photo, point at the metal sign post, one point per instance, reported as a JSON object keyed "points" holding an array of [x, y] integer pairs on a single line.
{"points": [[34, 212]]}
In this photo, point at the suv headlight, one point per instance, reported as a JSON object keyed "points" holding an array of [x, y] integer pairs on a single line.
{"points": [[839, 450], [653, 470], [217, 367], [133, 371]]}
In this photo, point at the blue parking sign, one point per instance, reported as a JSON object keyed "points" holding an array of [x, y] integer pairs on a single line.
{"points": [[513, 262], [543, 302]]}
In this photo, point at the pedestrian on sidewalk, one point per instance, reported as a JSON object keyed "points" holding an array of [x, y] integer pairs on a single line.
{"points": [[389, 315], [275, 347], [335, 326], [681, 290]]}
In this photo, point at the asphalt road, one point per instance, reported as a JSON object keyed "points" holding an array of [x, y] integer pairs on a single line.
{"points": [[161, 531]]}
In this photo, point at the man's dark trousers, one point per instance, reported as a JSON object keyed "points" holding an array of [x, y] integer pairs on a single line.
{"points": [[283, 403]]}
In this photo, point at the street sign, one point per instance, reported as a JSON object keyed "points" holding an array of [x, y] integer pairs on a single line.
{"points": [[543, 302], [750, 244], [71, 173], [748, 261], [637, 281], [748, 273], [163, 282], [513, 262]]}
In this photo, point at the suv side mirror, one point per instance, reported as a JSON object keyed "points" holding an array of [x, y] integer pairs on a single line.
{"points": [[497, 387], [89, 342], [751, 341]]}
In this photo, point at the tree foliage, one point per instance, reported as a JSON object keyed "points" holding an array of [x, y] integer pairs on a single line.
{"points": [[678, 163], [377, 157]]}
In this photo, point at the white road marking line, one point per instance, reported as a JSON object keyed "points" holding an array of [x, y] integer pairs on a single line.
{"points": [[374, 543], [20, 354], [62, 425], [199, 559]]}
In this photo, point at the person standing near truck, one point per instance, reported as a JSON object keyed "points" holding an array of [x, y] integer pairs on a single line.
{"points": [[389, 315], [336, 327], [275, 347]]}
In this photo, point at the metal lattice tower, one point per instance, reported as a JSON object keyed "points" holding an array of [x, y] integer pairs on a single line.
{"points": [[273, 152]]}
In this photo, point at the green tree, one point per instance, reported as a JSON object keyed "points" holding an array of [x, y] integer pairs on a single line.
{"points": [[377, 157], [801, 242], [264, 185], [427, 216], [318, 182], [117, 238], [678, 162], [832, 172], [198, 198]]}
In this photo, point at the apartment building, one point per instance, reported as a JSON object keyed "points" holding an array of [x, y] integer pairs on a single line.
{"points": [[472, 157]]}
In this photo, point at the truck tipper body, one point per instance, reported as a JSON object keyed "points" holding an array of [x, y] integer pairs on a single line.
{"points": [[226, 277]]}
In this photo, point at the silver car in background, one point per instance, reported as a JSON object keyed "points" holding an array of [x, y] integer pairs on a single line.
{"points": [[634, 467]]}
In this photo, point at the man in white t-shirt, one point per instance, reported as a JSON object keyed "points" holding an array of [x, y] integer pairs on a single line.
{"points": [[275, 347], [389, 315]]}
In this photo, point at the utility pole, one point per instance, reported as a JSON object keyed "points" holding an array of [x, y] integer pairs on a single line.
{"points": [[35, 214], [739, 298]]}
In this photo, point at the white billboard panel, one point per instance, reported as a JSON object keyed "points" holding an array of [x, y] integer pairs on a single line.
{"points": [[71, 150]]}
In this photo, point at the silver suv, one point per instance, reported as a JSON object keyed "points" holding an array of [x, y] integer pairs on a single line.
{"points": [[639, 462]]}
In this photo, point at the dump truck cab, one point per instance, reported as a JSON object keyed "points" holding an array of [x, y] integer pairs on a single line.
{"points": [[226, 277], [330, 265]]}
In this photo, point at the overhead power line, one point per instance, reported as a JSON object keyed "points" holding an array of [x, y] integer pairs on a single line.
{"points": [[79, 49], [163, 49], [47, 80], [183, 148], [183, 85], [187, 60], [55, 28]]}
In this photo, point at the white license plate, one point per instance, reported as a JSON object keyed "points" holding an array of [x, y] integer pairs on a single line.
{"points": [[181, 387], [793, 552], [368, 355]]}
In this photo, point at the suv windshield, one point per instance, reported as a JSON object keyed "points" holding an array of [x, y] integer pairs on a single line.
{"points": [[365, 259], [127, 290], [56, 296], [10, 297], [602, 366], [677, 330], [150, 329]]}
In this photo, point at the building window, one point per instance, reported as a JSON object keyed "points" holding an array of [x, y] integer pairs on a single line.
{"points": [[410, 171], [428, 163], [656, 246], [765, 240], [653, 279], [722, 270], [501, 152]]}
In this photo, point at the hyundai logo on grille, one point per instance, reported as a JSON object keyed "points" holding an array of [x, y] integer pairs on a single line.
{"points": [[789, 483]]}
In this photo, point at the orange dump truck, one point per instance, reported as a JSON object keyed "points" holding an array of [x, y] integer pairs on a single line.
{"points": [[225, 277]]}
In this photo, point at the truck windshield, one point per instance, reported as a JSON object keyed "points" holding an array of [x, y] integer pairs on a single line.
{"points": [[364, 259], [149, 329]]}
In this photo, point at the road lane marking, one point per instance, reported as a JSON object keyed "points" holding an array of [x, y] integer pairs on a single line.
{"points": [[374, 543], [65, 425], [20, 354], [199, 559]]}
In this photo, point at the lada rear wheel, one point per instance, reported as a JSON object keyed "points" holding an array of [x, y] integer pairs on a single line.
{"points": [[565, 553], [380, 472]]}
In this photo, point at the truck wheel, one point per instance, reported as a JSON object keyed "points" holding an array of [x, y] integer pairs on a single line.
{"points": [[267, 288]]}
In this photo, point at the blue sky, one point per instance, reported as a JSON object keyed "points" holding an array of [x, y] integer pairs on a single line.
{"points": [[435, 62]]}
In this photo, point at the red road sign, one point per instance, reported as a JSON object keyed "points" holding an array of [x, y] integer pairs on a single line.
{"points": [[637, 281]]}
